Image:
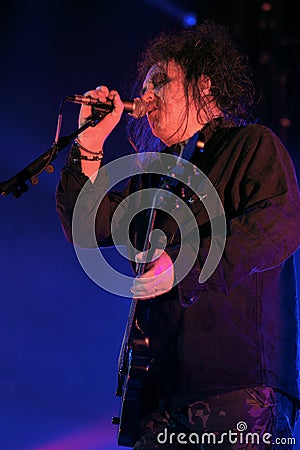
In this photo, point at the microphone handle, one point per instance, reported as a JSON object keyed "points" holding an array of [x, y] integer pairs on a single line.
{"points": [[129, 105], [136, 108]]}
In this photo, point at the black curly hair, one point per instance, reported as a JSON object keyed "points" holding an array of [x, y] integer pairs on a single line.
{"points": [[204, 49]]}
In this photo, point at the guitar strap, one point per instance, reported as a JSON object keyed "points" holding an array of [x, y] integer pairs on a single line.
{"points": [[190, 146], [183, 152]]}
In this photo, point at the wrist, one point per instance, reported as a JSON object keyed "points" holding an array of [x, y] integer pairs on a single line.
{"points": [[88, 154], [90, 140]]}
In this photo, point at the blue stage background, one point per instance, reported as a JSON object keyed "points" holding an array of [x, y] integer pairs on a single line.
{"points": [[59, 332]]}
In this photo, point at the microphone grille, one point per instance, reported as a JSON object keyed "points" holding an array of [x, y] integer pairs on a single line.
{"points": [[140, 108]]}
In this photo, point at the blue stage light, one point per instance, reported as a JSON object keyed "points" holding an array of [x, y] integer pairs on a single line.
{"points": [[189, 20]]}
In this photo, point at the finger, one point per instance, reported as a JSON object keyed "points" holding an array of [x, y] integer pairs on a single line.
{"points": [[154, 275], [117, 102], [148, 289], [148, 277], [103, 90], [145, 295], [144, 285], [155, 292], [112, 94], [87, 109], [100, 93]]}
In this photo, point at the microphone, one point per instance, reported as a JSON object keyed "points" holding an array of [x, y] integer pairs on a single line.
{"points": [[135, 108]]}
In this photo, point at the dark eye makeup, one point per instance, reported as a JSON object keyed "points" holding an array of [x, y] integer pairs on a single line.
{"points": [[158, 80]]}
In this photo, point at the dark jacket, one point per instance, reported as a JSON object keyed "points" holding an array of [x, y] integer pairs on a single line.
{"points": [[239, 328]]}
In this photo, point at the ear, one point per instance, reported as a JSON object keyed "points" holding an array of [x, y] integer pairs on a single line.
{"points": [[204, 84]]}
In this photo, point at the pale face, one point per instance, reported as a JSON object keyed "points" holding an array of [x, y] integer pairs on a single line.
{"points": [[163, 89]]}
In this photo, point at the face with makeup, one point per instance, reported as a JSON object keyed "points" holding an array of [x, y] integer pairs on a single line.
{"points": [[169, 118]]}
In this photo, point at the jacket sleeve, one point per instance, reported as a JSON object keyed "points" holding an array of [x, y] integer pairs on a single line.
{"points": [[88, 208], [265, 229]]}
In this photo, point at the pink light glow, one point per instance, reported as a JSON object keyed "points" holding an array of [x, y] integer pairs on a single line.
{"points": [[94, 437]]}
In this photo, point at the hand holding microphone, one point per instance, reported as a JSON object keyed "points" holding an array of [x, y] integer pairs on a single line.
{"points": [[110, 101], [93, 137], [136, 108]]}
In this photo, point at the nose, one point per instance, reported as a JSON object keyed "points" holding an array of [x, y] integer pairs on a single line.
{"points": [[148, 94]]}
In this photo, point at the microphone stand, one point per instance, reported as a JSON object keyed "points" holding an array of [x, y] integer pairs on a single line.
{"points": [[17, 185]]}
